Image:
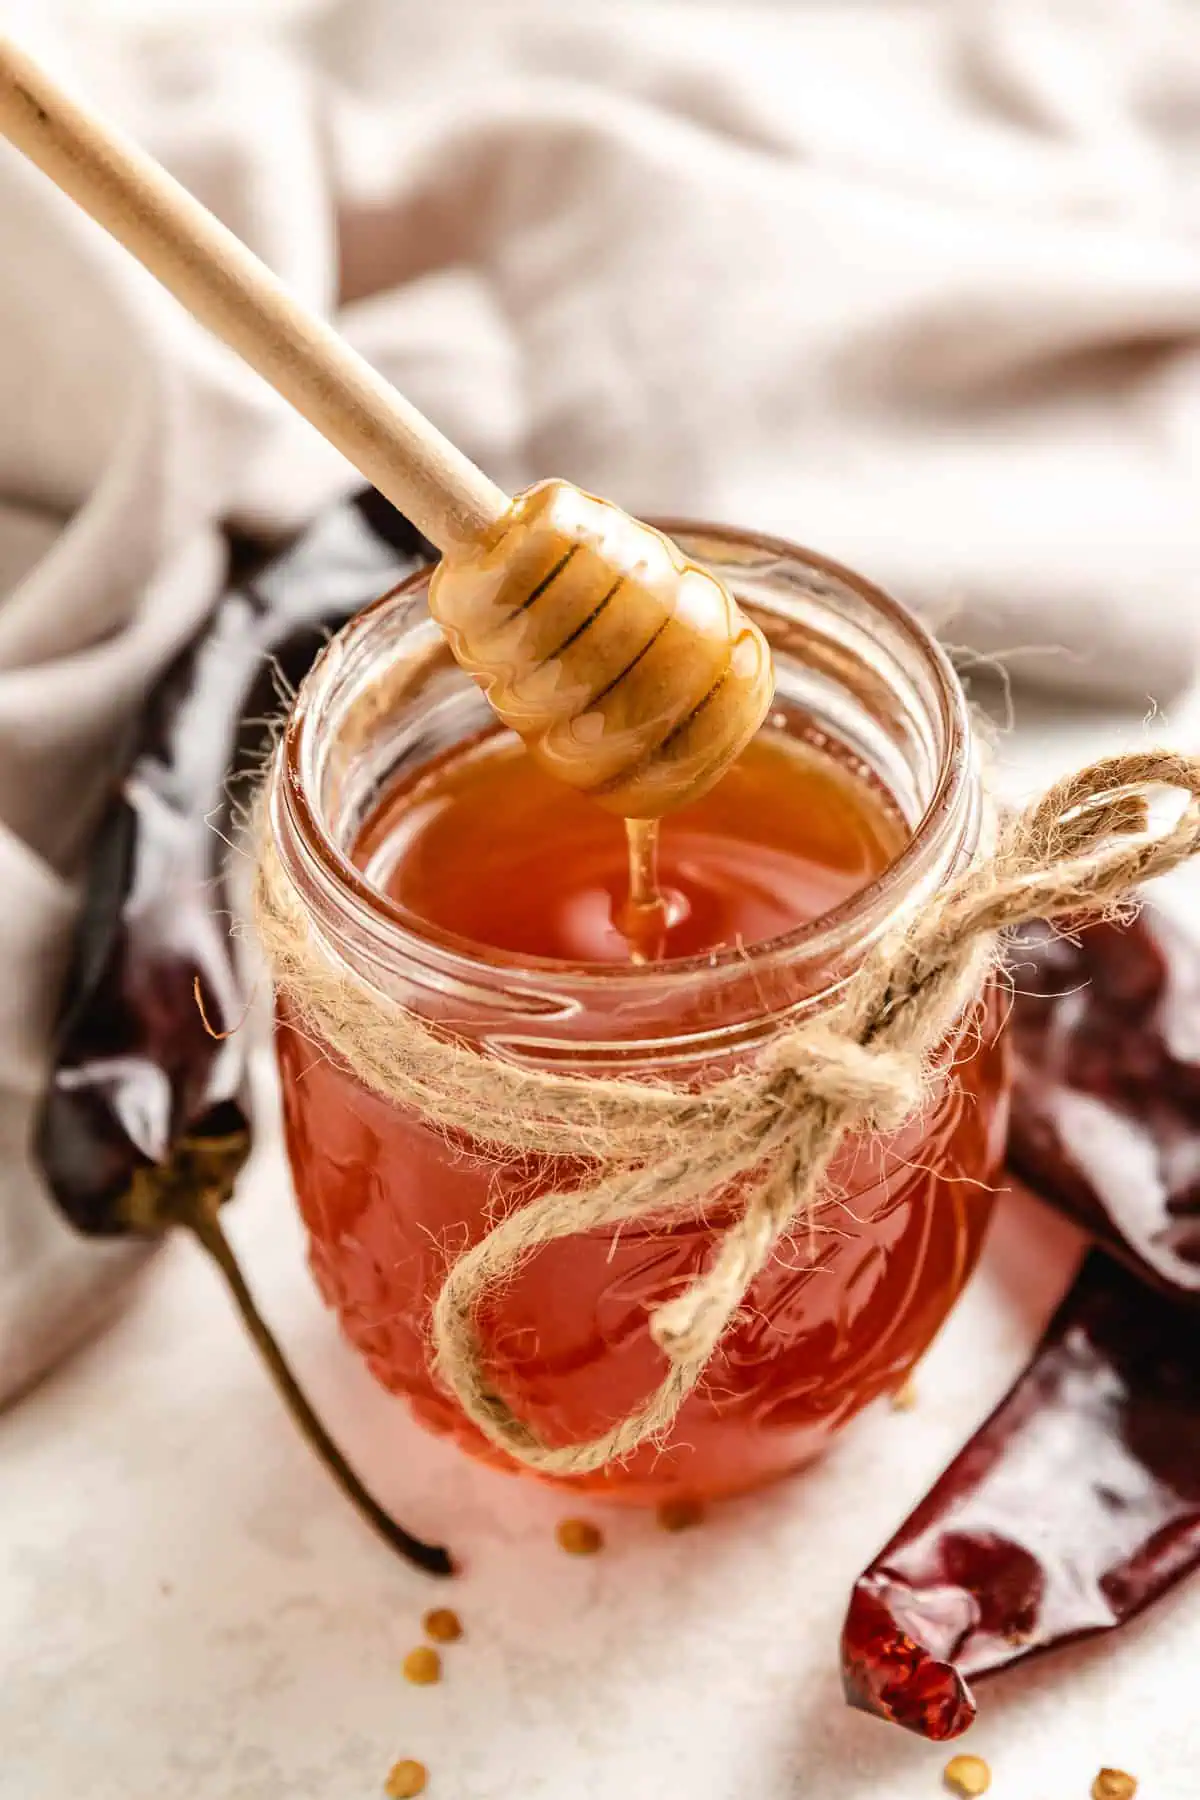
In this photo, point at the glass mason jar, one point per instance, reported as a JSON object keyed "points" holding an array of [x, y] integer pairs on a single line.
{"points": [[854, 1297]]}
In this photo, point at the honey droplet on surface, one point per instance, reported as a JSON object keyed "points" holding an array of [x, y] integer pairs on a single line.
{"points": [[967, 1776], [442, 1625], [405, 1780], [423, 1666], [680, 1514], [1113, 1784], [579, 1537], [905, 1396]]}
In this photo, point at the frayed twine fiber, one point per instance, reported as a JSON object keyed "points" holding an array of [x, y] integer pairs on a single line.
{"points": [[661, 1152]]}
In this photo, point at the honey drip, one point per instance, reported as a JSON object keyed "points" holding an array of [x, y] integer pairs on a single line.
{"points": [[644, 918]]}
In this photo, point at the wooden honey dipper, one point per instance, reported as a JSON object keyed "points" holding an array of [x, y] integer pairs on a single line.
{"points": [[629, 670]]}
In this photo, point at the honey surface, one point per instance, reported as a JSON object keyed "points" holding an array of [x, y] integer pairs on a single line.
{"points": [[486, 846]]}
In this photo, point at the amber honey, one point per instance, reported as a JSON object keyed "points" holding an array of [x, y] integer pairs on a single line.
{"points": [[485, 852], [488, 848]]}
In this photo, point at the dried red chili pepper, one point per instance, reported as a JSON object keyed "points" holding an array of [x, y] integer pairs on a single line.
{"points": [[145, 1122], [1106, 1108], [1076, 1505], [135, 1073], [1078, 1502]]}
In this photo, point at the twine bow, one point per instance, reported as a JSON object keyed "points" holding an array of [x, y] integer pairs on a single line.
{"points": [[765, 1137]]}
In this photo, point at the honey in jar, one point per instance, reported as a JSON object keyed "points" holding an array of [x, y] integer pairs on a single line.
{"points": [[449, 871], [488, 848]]}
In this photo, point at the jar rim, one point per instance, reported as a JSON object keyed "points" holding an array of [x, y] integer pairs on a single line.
{"points": [[398, 930]]}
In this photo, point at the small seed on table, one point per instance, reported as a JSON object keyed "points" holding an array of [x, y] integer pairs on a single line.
{"points": [[443, 1625], [1113, 1784], [423, 1666], [967, 1775], [579, 1537], [405, 1780], [679, 1515]]}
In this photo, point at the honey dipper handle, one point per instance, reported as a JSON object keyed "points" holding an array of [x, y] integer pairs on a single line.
{"points": [[227, 288]]}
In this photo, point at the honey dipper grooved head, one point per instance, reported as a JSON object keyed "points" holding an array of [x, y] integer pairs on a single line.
{"points": [[630, 672]]}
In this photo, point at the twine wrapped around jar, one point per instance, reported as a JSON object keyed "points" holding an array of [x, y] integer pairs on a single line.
{"points": [[765, 1135]]}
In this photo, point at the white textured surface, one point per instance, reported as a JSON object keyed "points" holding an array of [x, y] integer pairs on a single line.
{"points": [[189, 1612]]}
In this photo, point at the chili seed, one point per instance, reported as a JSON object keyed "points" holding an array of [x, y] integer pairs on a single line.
{"points": [[1113, 1784], [967, 1775], [405, 1780], [423, 1666], [443, 1625], [579, 1537]]}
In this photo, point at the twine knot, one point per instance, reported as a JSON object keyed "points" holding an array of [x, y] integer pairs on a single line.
{"points": [[884, 1086], [763, 1138]]}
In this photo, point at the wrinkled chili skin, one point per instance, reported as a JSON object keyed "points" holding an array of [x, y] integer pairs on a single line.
{"points": [[1106, 1098], [1075, 1506], [134, 1069], [1078, 1502]]}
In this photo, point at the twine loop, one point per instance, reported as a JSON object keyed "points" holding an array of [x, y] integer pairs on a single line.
{"points": [[763, 1138]]}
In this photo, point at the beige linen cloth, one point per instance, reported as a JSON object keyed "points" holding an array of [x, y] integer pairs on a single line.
{"points": [[918, 284]]}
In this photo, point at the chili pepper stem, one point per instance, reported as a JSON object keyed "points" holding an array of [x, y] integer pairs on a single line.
{"points": [[205, 1226], [190, 1193]]}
